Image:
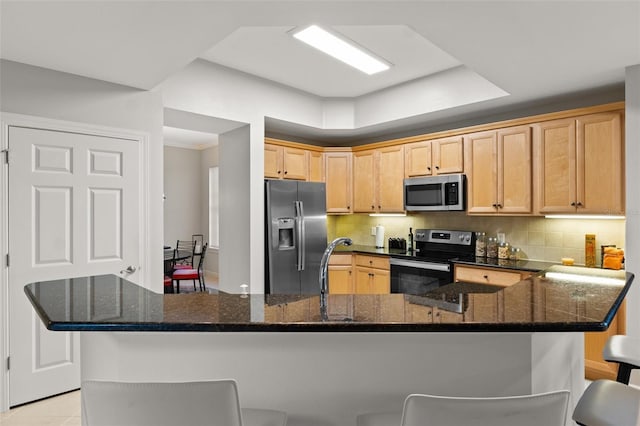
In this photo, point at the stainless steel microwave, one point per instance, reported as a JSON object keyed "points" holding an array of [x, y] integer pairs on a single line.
{"points": [[435, 193]]}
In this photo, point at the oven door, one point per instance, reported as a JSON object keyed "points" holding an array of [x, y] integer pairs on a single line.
{"points": [[418, 277]]}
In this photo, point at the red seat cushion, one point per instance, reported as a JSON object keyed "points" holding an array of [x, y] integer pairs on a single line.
{"points": [[186, 274]]}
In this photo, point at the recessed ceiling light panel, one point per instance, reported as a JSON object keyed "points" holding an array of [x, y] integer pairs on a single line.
{"points": [[341, 49]]}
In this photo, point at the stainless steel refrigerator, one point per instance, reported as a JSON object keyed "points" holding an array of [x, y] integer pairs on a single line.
{"points": [[296, 236]]}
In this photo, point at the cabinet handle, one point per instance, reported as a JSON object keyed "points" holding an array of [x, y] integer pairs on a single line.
{"points": [[285, 172], [499, 205], [486, 277], [373, 207], [437, 167], [279, 171], [573, 204], [371, 262], [579, 204], [428, 168], [379, 207], [494, 205], [438, 314]]}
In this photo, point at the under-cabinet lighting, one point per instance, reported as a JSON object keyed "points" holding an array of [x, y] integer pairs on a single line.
{"points": [[562, 276], [584, 216], [387, 214], [341, 49]]}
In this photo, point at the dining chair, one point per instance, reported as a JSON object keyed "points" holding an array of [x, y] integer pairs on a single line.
{"points": [[549, 409], [608, 403], [211, 403], [184, 246], [191, 273]]}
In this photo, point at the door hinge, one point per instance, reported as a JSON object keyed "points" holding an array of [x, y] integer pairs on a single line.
{"points": [[7, 260], [5, 152], [8, 362]]}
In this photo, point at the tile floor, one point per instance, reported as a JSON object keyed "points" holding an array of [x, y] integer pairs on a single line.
{"points": [[61, 410]]}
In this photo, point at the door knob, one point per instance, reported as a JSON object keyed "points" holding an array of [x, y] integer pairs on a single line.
{"points": [[130, 270]]}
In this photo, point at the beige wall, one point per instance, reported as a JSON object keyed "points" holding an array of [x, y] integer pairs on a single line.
{"points": [[537, 237]]}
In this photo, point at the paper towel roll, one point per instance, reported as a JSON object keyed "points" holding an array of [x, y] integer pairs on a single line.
{"points": [[379, 236]]}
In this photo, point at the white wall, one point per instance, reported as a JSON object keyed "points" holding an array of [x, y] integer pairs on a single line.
{"points": [[236, 239], [632, 253], [183, 189]]}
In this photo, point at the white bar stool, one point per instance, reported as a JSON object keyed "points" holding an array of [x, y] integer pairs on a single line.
{"points": [[214, 403], [608, 403], [625, 351]]}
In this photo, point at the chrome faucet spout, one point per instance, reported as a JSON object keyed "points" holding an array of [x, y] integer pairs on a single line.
{"points": [[324, 266]]}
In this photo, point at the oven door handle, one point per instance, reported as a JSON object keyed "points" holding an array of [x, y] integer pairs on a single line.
{"points": [[445, 267]]}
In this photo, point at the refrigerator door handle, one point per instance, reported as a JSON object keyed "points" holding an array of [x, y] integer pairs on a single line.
{"points": [[300, 234]]}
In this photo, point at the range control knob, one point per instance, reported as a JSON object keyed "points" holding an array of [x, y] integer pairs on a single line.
{"points": [[467, 239], [461, 237]]}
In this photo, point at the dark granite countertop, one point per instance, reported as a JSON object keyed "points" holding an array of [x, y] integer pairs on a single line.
{"points": [[559, 299]]}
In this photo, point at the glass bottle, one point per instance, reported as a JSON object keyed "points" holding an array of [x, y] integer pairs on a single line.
{"points": [[481, 244], [503, 250], [492, 247], [514, 253], [410, 241]]}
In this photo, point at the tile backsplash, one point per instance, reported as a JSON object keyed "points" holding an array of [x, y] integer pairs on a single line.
{"points": [[538, 238]]}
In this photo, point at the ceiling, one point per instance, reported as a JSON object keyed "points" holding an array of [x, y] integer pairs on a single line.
{"points": [[534, 51]]}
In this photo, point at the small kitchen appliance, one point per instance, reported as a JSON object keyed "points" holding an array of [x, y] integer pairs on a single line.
{"points": [[431, 266], [435, 193]]}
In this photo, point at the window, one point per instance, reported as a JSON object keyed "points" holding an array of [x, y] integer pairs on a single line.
{"points": [[214, 206]]}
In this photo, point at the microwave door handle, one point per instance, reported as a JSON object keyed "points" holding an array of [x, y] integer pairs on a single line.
{"points": [[300, 243]]}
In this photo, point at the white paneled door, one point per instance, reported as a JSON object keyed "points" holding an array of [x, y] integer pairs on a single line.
{"points": [[73, 211]]}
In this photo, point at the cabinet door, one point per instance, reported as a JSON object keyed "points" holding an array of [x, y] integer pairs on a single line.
{"points": [[417, 159], [514, 170], [380, 282], [272, 161], [364, 182], [481, 170], [316, 166], [390, 179], [447, 155], [555, 154], [363, 277], [600, 181], [340, 280], [294, 163], [339, 181]]}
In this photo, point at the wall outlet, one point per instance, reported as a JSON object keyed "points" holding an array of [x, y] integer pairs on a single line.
{"points": [[373, 230]]}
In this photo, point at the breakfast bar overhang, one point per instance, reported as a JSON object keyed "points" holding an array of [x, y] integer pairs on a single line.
{"points": [[366, 353]]}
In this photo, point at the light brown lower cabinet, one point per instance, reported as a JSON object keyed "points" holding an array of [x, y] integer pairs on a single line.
{"points": [[372, 274], [340, 274], [595, 367]]}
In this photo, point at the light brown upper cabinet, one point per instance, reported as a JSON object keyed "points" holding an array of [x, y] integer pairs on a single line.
{"points": [[580, 167], [499, 171], [434, 157], [338, 180], [316, 166], [282, 162], [377, 184]]}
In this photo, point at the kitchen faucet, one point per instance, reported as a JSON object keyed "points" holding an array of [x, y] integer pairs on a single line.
{"points": [[324, 266]]}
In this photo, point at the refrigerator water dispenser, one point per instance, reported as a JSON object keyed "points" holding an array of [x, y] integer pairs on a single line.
{"points": [[286, 233]]}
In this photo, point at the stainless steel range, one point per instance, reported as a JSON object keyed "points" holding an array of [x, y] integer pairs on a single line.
{"points": [[431, 267]]}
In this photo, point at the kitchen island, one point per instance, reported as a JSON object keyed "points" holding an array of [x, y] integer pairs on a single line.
{"points": [[365, 353]]}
